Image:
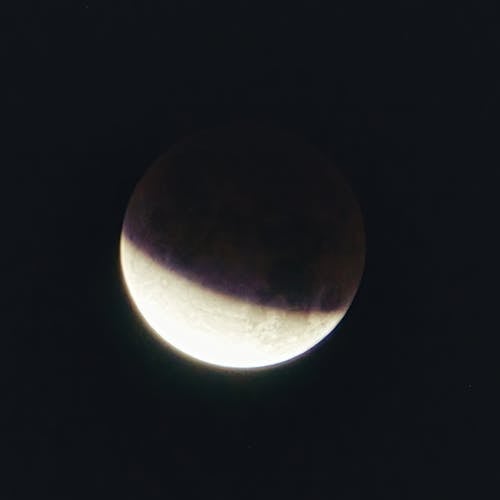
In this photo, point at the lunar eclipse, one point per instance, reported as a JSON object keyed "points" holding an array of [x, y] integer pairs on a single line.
{"points": [[242, 246]]}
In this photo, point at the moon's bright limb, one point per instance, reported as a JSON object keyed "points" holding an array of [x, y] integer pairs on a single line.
{"points": [[213, 327], [235, 267]]}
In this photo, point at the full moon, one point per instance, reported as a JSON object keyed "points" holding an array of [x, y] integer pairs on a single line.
{"points": [[242, 247]]}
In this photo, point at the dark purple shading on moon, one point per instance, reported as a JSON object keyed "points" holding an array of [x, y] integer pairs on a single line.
{"points": [[255, 213]]}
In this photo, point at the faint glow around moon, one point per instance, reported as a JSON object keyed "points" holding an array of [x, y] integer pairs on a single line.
{"points": [[215, 328]]}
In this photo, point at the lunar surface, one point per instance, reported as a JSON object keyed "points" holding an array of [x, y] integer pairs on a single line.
{"points": [[242, 247]]}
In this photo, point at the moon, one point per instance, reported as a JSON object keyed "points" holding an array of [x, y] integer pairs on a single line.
{"points": [[242, 247]]}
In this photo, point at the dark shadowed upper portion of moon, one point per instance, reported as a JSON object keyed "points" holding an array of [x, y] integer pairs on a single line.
{"points": [[255, 213]]}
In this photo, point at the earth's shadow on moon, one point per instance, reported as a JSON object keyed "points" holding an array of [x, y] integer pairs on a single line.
{"points": [[255, 213]]}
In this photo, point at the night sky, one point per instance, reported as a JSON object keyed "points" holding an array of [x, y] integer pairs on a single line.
{"points": [[400, 98]]}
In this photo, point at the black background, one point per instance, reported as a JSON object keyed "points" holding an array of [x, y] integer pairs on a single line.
{"points": [[401, 97]]}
